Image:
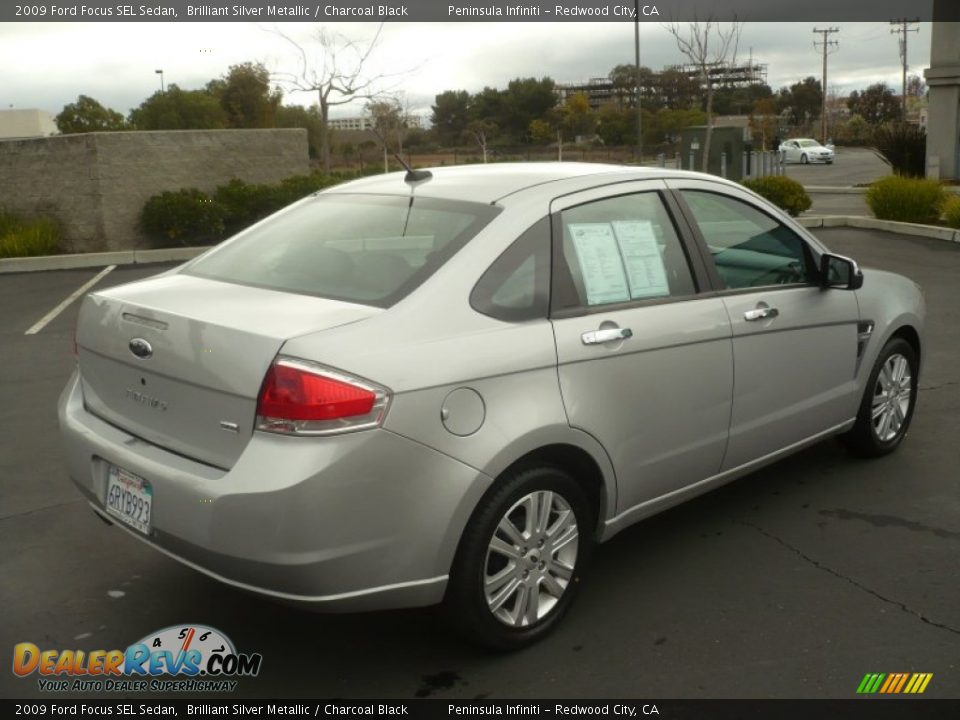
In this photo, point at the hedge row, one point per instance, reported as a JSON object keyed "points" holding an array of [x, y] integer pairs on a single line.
{"points": [[192, 217]]}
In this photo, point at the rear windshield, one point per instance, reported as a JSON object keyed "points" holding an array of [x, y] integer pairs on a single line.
{"points": [[370, 249]]}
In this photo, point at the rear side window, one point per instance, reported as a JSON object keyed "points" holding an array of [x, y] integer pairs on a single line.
{"points": [[516, 286], [370, 249]]}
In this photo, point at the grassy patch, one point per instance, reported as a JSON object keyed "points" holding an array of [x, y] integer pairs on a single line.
{"points": [[27, 237]]}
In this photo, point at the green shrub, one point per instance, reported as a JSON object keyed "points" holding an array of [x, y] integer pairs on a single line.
{"points": [[951, 211], [904, 146], [782, 191], [22, 237], [192, 217], [906, 199], [189, 216], [299, 186], [244, 204]]}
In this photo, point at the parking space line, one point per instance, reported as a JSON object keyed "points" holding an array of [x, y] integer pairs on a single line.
{"points": [[42, 322]]}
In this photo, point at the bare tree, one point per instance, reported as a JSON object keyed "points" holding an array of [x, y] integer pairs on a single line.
{"points": [[480, 132], [391, 119], [707, 45], [338, 77]]}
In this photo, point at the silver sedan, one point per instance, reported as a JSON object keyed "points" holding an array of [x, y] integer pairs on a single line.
{"points": [[804, 151], [450, 386]]}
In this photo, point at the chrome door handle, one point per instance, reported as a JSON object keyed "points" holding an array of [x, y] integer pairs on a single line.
{"points": [[598, 337], [761, 313]]}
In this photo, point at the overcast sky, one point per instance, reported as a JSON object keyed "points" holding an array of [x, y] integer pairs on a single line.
{"points": [[46, 65]]}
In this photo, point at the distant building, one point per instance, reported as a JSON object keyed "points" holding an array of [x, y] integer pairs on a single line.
{"points": [[366, 123], [350, 123], [22, 124], [601, 90]]}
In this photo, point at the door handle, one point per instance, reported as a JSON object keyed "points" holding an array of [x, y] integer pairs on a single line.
{"points": [[761, 313], [598, 337]]}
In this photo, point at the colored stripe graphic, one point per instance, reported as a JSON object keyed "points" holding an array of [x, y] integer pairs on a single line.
{"points": [[894, 683], [903, 679]]}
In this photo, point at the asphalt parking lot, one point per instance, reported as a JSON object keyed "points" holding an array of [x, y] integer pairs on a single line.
{"points": [[792, 582]]}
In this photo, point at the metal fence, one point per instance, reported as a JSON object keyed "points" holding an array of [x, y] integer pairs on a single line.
{"points": [[755, 164]]}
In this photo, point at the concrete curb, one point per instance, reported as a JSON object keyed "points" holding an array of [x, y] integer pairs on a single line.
{"points": [[852, 190], [868, 223], [827, 189], [88, 260]]}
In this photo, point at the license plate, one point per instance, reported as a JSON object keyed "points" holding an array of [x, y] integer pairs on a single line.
{"points": [[129, 498]]}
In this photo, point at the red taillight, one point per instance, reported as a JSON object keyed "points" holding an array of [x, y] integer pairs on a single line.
{"points": [[300, 397]]}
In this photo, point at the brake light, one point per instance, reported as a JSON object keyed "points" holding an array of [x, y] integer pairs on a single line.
{"points": [[299, 397]]}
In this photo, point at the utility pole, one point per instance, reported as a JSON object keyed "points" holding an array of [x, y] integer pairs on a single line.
{"points": [[826, 44], [636, 58], [902, 27]]}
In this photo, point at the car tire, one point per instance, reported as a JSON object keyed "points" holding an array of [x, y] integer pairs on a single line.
{"points": [[518, 568], [804, 160], [883, 419]]}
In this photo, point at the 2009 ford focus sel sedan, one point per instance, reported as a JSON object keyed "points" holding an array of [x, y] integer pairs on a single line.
{"points": [[449, 386]]}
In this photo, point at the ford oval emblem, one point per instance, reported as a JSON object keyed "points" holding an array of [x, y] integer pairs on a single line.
{"points": [[141, 348]]}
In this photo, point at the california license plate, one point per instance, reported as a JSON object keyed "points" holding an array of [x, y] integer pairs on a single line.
{"points": [[129, 498]]}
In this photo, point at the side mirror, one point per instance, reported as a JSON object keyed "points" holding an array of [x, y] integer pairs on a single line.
{"points": [[837, 271]]}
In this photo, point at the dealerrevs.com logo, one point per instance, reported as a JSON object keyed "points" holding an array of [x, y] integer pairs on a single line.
{"points": [[184, 658]]}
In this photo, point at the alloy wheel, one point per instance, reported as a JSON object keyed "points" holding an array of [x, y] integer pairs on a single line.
{"points": [[530, 558], [891, 398]]}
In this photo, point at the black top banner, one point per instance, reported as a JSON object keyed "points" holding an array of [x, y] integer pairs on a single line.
{"points": [[328, 11]]}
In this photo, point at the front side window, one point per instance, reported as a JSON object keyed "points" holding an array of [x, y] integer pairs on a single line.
{"points": [[370, 249], [749, 248], [619, 250]]}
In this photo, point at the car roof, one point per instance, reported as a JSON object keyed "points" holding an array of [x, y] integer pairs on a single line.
{"points": [[493, 182]]}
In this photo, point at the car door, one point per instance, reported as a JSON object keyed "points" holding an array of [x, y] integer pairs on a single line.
{"points": [[644, 360], [794, 342], [791, 151]]}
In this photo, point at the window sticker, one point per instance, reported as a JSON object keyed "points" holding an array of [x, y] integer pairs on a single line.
{"points": [[646, 273], [601, 265]]}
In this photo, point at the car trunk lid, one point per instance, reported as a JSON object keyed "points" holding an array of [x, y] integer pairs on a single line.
{"points": [[179, 360]]}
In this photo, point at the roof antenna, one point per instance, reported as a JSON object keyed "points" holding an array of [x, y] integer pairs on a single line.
{"points": [[412, 176]]}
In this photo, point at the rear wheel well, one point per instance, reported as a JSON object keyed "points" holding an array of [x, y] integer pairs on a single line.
{"points": [[576, 461]]}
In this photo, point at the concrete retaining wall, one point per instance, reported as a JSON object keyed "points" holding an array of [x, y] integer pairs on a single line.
{"points": [[96, 184]]}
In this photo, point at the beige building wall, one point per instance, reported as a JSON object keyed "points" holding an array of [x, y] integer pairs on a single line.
{"points": [[943, 114], [16, 124]]}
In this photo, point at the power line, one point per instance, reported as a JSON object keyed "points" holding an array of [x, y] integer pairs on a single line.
{"points": [[826, 44], [903, 27]]}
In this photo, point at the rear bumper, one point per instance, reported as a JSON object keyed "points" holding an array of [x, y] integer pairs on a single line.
{"points": [[365, 520]]}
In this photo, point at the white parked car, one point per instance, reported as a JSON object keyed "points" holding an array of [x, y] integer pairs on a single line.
{"points": [[804, 151]]}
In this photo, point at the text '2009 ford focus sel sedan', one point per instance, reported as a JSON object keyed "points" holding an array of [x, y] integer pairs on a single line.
{"points": [[449, 386]]}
